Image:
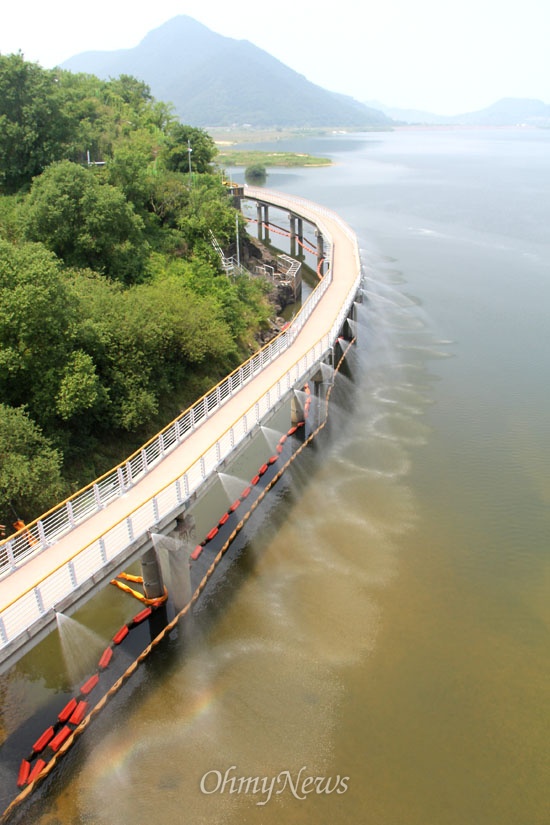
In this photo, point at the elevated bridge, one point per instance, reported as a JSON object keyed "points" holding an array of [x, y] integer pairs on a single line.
{"points": [[56, 562]]}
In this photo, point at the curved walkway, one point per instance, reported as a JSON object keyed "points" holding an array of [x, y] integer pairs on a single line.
{"points": [[344, 282]]}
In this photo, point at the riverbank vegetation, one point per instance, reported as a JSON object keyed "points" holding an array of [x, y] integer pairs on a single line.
{"points": [[115, 312], [249, 157]]}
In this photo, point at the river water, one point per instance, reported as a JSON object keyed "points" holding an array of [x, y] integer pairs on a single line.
{"points": [[386, 628]]}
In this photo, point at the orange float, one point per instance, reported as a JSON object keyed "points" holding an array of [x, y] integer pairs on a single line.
{"points": [[60, 737], [142, 615], [90, 684], [79, 713], [106, 657], [24, 772], [39, 765], [67, 710], [43, 740], [120, 634]]}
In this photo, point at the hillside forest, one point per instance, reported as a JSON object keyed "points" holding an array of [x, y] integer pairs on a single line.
{"points": [[115, 313]]}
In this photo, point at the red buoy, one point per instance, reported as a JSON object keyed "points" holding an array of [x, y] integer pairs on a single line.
{"points": [[79, 713], [246, 492], [90, 684], [120, 634], [273, 459], [255, 480], [212, 533], [235, 506], [67, 710], [262, 470], [59, 738], [24, 772], [38, 766], [142, 615], [105, 658], [223, 519], [196, 552], [43, 740]]}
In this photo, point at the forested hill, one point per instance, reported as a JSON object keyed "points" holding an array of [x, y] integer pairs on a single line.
{"points": [[218, 81], [114, 310], [509, 111]]}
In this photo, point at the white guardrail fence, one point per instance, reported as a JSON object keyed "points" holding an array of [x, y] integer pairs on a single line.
{"points": [[45, 531]]}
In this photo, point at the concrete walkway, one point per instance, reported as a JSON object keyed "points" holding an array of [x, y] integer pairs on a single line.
{"points": [[345, 268]]}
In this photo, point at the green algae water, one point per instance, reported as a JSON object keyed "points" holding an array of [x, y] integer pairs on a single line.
{"points": [[379, 654]]}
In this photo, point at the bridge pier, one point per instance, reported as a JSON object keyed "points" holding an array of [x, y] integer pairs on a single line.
{"points": [[296, 233], [321, 381], [259, 220], [262, 215], [349, 327], [292, 221], [153, 584], [320, 250], [297, 409]]}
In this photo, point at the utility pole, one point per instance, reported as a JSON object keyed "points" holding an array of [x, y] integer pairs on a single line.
{"points": [[189, 150]]}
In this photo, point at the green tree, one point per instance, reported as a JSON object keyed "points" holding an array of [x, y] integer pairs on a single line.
{"points": [[80, 388], [135, 93], [133, 167], [148, 341], [30, 468], [168, 197], [34, 125], [36, 319], [208, 211], [86, 222], [179, 140], [255, 173], [114, 312]]}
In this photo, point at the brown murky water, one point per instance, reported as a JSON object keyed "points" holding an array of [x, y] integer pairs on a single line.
{"points": [[386, 627]]}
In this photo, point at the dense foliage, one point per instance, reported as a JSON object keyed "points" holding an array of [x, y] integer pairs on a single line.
{"points": [[114, 310], [255, 174]]}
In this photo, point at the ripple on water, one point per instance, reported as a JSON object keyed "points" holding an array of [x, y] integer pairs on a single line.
{"points": [[402, 322], [431, 352], [408, 399], [253, 700], [386, 505], [400, 428], [375, 455]]}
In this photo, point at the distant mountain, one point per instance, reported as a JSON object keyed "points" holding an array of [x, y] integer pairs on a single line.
{"points": [[510, 111], [214, 80], [416, 116]]}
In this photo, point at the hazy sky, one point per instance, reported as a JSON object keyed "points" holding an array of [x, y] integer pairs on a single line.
{"points": [[434, 55]]}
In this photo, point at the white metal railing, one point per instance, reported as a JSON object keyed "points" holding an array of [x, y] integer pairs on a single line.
{"points": [[38, 600], [293, 266], [46, 530]]}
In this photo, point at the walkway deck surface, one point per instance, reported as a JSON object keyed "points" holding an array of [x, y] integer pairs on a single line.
{"points": [[345, 266]]}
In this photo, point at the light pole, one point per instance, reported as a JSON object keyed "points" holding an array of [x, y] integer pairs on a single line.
{"points": [[189, 150]]}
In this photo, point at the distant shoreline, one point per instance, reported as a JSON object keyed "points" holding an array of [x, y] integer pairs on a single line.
{"points": [[253, 157]]}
